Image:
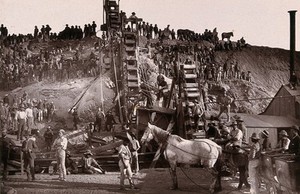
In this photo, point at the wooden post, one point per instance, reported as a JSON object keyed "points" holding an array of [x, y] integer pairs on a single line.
{"points": [[22, 164]]}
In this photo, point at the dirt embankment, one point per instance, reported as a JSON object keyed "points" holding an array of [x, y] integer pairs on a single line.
{"points": [[269, 68]]}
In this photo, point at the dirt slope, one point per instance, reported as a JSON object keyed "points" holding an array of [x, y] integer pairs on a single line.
{"points": [[269, 67]]}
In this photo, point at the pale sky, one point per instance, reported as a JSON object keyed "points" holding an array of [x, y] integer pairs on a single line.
{"points": [[260, 22]]}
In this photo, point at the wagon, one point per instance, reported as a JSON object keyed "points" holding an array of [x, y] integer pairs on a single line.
{"points": [[281, 173]]}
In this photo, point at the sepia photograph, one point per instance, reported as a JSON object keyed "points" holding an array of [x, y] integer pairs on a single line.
{"points": [[149, 96]]}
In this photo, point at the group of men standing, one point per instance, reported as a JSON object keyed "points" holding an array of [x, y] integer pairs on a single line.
{"points": [[234, 140]]}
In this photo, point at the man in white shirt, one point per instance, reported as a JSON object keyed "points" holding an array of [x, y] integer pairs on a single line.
{"points": [[29, 116], [236, 137], [125, 164], [60, 145], [21, 119]]}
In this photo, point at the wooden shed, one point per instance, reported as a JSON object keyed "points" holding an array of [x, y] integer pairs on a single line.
{"points": [[285, 103]]}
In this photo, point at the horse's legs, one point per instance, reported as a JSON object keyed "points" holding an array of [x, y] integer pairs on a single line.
{"points": [[217, 185], [173, 176], [243, 177]]}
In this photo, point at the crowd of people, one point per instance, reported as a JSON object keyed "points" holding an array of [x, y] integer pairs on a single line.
{"points": [[20, 67], [20, 114]]}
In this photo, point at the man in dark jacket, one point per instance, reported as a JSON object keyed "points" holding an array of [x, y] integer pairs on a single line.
{"points": [[48, 135], [29, 147], [110, 121], [6, 144], [294, 146]]}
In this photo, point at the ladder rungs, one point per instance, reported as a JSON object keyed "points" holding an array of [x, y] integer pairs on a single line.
{"points": [[132, 77], [192, 95], [190, 76], [191, 85], [189, 67], [133, 84], [191, 89], [130, 41]]}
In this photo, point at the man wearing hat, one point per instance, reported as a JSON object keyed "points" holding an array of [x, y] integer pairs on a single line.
{"points": [[88, 167], [197, 111], [212, 131], [133, 19], [266, 144], [294, 146], [284, 142], [242, 127], [236, 136], [48, 136], [60, 145], [224, 101], [29, 147], [253, 166], [125, 159], [110, 121], [71, 165], [6, 144], [29, 117]]}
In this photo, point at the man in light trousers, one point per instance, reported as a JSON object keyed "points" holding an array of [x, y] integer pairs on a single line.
{"points": [[60, 145], [125, 164], [253, 167]]}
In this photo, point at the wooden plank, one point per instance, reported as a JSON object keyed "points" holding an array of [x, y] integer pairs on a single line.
{"points": [[189, 67], [190, 76], [191, 89], [192, 94], [191, 85], [110, 146]]}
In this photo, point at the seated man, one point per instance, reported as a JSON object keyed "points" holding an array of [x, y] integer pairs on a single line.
{"points": [[71, 165], [88, 167]]}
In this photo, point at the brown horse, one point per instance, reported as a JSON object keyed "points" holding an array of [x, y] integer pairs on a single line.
{"points": [[227, 35]]}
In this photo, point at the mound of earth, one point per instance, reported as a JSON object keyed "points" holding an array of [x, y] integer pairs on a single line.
{"points": [[269, 68]]}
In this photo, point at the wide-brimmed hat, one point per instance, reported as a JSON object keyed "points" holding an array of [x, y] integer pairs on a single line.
{"points": [[265, 133], [233, 123], [27, 133], [225, 129], [68, 153], [239, 119], [88, 152], [295, 127], [283, 133], [254, 136]]}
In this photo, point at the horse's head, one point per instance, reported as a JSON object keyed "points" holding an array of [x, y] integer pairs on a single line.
{"points": [[147, 136]]}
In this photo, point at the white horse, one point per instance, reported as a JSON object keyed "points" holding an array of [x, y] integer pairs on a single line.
{"points": [[181, 151]]}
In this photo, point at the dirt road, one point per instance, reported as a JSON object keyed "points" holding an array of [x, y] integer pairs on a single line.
{"points": [[191, 180]]}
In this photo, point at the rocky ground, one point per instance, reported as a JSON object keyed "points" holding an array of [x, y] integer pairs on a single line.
{"points": [[191, 180]]}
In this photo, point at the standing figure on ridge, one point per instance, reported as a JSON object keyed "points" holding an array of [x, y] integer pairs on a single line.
{"points": [[224, 101]]}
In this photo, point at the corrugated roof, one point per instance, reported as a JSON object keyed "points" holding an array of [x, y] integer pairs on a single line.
{"points": [[267, 121], [292, 92]]}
